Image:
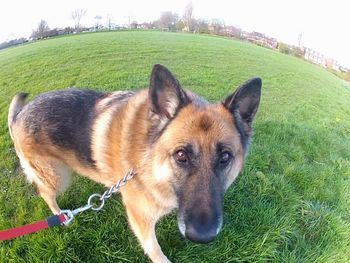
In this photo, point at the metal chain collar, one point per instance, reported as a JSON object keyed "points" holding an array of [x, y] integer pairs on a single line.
{"points": [[99, 198]]}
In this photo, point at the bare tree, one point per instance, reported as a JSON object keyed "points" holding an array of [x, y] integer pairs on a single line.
{"points": [[77, 15], [168, 20], [217, 25], [41, 31], [201, 26], [188, 17], [109, 22]]}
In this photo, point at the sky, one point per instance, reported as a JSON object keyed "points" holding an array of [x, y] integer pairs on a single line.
{"points": [[323, 24]]}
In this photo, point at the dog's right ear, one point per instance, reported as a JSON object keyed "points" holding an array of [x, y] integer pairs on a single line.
{"points": [[165, 93]]}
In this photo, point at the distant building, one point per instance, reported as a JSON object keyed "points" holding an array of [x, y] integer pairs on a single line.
{"points": [[146, 25], [232, 31], [331, 63], [314, 56], [344, 69], [261, 39], [318, 58]]}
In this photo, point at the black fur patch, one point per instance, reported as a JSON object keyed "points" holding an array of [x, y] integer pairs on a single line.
{"points": [[245, 138], [23, 95], [120, 96], [66, 117]]}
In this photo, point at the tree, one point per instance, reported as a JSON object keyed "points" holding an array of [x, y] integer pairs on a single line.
{"points": [[201, 26], [180, 25], [77, 15], [168, 21], [97, 22], [68, 30], [188, 17], [296, 51], [217, 25], [41, 31], [134, 24], [283, 48], [13, 42], [109, 22]]}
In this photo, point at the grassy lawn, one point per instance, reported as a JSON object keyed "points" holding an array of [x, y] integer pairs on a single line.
{"points": [[291, 203]]}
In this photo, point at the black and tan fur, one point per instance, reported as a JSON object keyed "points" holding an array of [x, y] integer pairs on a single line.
{"points": [[186, 151]]}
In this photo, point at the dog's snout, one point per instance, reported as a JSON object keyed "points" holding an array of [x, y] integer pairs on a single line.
{"points": [[199, 236], [203, 229]]}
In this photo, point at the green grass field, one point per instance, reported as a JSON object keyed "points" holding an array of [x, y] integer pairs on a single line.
{"points": [[291, 203]]}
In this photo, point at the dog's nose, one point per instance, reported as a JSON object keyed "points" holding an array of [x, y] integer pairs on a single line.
{"points": [[200, 234], [203, 227]]}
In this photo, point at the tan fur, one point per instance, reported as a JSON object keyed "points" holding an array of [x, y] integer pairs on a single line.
{"points": [[16, 105]]}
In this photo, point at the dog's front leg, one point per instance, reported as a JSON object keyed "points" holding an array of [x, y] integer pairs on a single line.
{"points": [[143, 225]]}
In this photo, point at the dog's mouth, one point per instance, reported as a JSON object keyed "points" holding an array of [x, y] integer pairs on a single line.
{"points": [[199, 231]]}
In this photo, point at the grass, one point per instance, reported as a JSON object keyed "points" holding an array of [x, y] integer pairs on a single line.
{"points": [[291, 203]]}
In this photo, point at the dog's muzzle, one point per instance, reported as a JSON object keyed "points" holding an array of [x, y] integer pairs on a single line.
{"points": [[200, 230]]}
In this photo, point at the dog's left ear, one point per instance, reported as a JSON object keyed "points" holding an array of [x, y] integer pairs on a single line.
{"points": [[165, 93], [244, 103]]}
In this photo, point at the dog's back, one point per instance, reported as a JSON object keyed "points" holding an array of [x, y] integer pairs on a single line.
{"points": [[55, 133], [64, 118]]}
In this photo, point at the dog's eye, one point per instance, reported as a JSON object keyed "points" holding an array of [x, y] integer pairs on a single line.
{"points": [[225, 157], [181, 157]]}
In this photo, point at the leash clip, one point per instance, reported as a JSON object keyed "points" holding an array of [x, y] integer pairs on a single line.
{"points": [[69, 214]]}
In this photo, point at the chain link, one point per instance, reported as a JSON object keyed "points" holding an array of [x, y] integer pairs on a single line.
{"points": [[98, 198]]}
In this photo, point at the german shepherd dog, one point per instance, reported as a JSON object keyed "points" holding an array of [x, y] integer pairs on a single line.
{"points": [[186, 152]]}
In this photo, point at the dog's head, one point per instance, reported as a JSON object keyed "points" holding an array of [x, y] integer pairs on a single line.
{"points": [[199, 148]]}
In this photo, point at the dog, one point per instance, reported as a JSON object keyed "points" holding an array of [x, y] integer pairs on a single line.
{"points": [[186, 151]]}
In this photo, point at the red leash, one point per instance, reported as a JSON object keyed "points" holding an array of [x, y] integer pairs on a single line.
{"points": [[31, 228], [66, 216]]}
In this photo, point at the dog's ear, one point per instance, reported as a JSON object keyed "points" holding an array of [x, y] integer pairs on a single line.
{"points": [[165, 93], [244, 103]]}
